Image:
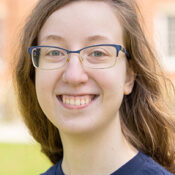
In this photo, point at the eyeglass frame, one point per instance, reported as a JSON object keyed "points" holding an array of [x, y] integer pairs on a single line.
{"points": [[118, 48]]}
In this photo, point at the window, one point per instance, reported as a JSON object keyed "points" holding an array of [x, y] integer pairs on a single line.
{"points": [[171, 35], [164, 34]]}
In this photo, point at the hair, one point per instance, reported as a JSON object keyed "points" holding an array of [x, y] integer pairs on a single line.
{"points": [[146, 115]]}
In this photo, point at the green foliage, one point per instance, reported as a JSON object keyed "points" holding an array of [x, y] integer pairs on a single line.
{"points": [[22, 159]]}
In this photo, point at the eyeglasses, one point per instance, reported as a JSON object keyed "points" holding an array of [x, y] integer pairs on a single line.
{"points": [[99, 56]]}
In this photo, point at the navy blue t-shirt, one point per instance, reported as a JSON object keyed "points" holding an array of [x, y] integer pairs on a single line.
{"points": [[141, 164]]}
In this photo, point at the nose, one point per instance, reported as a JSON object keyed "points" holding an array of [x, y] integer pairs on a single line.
{"points": [[74, 73]]}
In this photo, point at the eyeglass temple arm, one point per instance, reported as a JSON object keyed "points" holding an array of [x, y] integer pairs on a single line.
{"points": [[124, 50]]}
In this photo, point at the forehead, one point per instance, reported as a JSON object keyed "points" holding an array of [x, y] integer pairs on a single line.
{"points": [[83, 20]]}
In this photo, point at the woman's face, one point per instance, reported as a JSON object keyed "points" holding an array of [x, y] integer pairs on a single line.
{"points": [[95, 94]]}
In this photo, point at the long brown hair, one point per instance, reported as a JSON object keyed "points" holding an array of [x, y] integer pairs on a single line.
{"points": [[146, 116]]}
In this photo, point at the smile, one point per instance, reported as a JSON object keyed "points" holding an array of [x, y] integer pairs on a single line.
{"points": [[76, 101]]}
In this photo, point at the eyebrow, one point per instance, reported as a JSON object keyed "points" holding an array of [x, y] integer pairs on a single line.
{"points": [[96, 37], [53, 37], [88, 39]]}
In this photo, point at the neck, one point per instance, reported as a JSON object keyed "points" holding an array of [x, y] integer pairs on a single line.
{"points": [[100, 153]]}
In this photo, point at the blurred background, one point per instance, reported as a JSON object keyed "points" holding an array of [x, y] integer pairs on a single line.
{"points": [[17, 148]]}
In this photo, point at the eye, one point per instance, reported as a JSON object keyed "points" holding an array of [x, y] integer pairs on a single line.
{"points": [[97, 54], [55, 53]]}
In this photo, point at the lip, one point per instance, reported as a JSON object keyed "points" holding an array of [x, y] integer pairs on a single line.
{"points": [[68, 106]]}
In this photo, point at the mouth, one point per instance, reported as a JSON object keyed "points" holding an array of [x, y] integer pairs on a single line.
{"points": [[77, 101]]}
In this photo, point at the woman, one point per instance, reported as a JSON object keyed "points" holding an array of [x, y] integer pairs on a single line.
{"points": [[94, 100]]}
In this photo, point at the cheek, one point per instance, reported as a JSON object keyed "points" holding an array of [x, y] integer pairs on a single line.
{"points": [[44, 83], [111, 80], [112, 83]]}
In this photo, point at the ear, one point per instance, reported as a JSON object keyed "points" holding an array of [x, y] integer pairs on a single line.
{"points": [[129, 81]]}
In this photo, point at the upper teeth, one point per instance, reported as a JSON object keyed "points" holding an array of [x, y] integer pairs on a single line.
{"points": [[77, 100]]}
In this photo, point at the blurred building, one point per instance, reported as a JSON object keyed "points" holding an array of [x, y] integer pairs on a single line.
{"points": [[159, 16], [12, 15]]}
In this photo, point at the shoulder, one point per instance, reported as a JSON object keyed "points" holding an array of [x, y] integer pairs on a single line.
{"points": [[151, 167], [51, 171]]}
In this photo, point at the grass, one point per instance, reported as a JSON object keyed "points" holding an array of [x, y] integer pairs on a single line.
{"points": [[22, 159]]}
